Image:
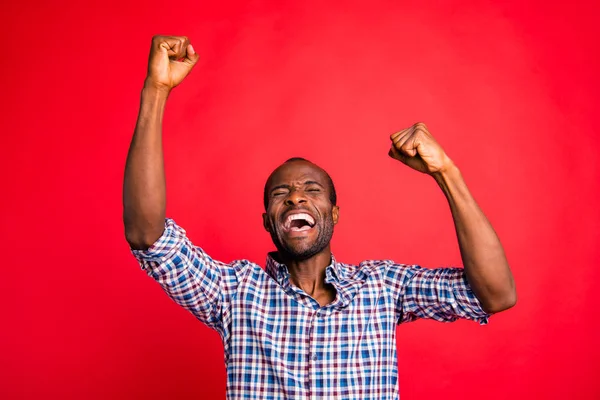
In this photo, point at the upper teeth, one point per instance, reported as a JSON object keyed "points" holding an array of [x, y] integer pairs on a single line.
{"points": [[303, 216]]}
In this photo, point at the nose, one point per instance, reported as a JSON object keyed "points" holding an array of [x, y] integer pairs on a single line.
{"points": [[295, 197]]}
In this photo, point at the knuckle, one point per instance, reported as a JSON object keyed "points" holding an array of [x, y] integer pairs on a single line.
{"points": [[421, 127]]}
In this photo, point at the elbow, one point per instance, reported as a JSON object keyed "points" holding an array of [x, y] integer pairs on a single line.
{"points": [[138, 243], [500, 303], [142, 230], [141, 239]]}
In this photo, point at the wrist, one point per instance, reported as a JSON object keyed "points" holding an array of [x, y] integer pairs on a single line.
{"points": [[157, 90], [153, 98], [447, 173], [153, 101]]}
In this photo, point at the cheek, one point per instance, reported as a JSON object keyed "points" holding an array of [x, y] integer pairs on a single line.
{"points": [[324, 208], [272, 216]]}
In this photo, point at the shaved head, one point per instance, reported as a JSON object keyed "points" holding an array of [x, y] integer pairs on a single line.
{"points": [[332, 193], [300, 209]]}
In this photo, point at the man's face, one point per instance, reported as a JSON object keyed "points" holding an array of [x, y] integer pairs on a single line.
{"points": [[300, 216]]}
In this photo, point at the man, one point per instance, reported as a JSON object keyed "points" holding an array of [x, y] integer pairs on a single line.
{"points": [[308, 326]]}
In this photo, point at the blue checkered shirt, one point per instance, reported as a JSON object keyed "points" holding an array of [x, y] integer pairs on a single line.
{"points": [[280, 343]]}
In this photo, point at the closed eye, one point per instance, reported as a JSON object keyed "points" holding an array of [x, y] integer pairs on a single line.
{"points": [[313, 187]]}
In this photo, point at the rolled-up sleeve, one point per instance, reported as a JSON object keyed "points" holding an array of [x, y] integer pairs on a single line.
{"points": [[189, 276], [442, 294]]}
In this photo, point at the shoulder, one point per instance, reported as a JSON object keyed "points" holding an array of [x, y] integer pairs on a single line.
{"points": [[385, 272], [365, 269]]}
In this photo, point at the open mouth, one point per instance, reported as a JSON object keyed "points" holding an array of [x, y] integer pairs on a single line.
{"points": [[298, 222]]}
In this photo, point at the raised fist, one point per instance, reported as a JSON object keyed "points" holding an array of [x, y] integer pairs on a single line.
{"points": [[416, 148], [171, 59]]}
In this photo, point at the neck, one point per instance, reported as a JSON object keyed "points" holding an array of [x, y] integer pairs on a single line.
{"points": [[309, 274]]}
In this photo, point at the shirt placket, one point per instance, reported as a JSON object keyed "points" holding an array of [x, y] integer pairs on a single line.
{"points": [[311, 308], [315, 385], [316, 356]]}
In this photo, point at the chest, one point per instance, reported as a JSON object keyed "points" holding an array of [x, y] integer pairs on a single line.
{"points": [[289, 319]]}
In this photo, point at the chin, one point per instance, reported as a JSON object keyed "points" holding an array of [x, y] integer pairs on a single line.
{"points": [[297, 251], [302, 252], [301, 256], [301, 247]]}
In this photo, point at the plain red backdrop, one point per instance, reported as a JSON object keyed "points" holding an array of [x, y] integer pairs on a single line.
{"points": [[509, 89]]}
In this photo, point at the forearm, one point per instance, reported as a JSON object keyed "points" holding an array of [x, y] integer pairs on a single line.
{"points": [[144, 191], [483, 257]]}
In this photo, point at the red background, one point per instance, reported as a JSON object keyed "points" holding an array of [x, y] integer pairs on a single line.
{"points": [[509, 90]]}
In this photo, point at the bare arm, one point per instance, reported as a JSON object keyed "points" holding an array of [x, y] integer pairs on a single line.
{"points": [[144, 194], [483, 257], [482, 254]]}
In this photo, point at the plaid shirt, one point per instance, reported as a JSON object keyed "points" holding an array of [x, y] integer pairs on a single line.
{"points": [[281, 344]]}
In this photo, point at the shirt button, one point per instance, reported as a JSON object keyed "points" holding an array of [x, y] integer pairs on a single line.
{"points": [[314, 357]]}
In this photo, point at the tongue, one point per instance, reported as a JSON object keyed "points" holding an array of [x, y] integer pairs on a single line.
{"points": [[300, 229], [299, 225]]}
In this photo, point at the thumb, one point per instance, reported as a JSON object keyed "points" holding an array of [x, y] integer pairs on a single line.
{"points": [[414, 162], [396, 154], [191, 57]]}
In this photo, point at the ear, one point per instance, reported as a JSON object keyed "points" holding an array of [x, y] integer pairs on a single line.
{"points": [[266, 222], [335, 214]]}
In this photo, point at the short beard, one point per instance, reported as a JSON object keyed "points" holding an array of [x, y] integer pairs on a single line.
{"points": [[323, 239]]}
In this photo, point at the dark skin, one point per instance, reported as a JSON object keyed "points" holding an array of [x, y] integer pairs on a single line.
{"points": [[144, 191], [295, 188], [482, 253], [306, 250]]}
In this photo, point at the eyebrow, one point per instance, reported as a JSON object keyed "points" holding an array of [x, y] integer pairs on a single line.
{"points": [[313, 183], [305, 183], [279, 187]]}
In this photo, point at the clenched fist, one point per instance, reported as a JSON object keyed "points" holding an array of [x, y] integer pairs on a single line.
{"points": [[416, 148], [171, 59]]}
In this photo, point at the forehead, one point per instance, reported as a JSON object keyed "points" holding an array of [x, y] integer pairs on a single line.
{"points": [[294, 172]]}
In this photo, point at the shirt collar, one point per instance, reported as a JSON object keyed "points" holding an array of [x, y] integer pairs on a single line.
{"points": [[281, 274], [335, 274]]}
